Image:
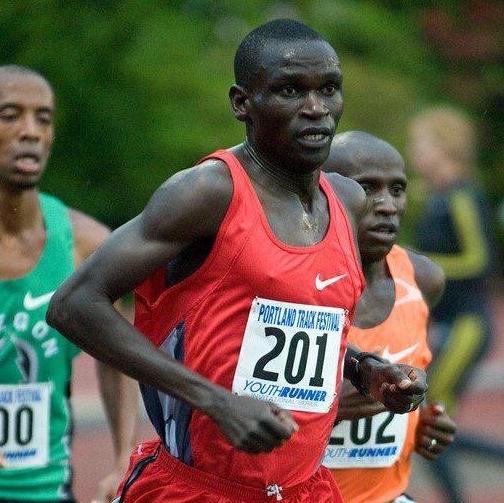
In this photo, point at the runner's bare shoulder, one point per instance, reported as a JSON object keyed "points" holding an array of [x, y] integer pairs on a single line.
{"points": [[350, 193], [191, 204], [429, 276]]}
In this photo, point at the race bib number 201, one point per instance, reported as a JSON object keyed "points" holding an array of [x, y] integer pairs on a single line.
{"points": [[290, 354]]}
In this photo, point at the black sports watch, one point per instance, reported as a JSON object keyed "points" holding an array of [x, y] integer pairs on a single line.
{"points": [[353, 373]]}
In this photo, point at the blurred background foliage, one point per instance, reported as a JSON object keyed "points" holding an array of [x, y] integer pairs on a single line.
{"points": [[142, 86]]}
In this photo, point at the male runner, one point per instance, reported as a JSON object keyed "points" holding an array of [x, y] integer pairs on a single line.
{"points": [[41, 242], [370, 449], [246, 278]]}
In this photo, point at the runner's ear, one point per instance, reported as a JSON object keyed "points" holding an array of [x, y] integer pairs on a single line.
{"points": [[239, 102]]}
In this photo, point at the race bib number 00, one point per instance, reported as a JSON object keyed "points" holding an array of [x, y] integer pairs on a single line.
{"points": [[289, 355], [24, 424], [369, 442]]}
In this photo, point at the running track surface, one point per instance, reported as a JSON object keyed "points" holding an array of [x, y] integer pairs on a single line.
{"points": [[482, 411]]}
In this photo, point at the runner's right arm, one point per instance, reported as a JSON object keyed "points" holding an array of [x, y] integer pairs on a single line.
{"points": [[187, 208]]}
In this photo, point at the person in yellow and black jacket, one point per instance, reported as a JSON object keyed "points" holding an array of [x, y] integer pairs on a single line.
{"points": [[454, 231]]}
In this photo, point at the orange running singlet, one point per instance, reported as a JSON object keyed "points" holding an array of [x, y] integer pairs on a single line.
{"points": [[370, 457]]}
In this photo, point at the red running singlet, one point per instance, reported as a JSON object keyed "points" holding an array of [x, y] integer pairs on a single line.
{"points": [[260, 318]]}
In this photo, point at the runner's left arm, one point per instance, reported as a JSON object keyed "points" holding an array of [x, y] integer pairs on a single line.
{"points": [[429, 277], [119, 393], [435, 431], [401, 388]]}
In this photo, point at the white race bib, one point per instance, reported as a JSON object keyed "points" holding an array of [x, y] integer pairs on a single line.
{"points": [[24, 424], [369, 442], [289, 355]]}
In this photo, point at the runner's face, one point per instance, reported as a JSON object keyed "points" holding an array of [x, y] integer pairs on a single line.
{"points": [[385, 187], [295, 103], [26, 129]]}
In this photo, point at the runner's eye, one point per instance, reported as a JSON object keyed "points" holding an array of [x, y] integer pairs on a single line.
{"points": [[8, 115], [397, 190], [45, 118], [330, 89], [288, 91], [367, 188]]}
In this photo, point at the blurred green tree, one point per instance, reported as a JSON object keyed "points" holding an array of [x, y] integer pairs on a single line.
{"points": [[142, 86]]}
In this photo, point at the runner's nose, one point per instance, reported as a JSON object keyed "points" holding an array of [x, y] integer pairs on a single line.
{"points": [[385, 204], [314, 106]]}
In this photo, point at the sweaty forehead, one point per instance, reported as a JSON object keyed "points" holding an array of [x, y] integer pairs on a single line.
{"points": [[25, 89], [297, 56], [377, 165], [365, 163]]}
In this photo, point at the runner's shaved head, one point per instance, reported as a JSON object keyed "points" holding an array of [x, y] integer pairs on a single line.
{"points": [[9, 71], [352, 150], [248, 55]]}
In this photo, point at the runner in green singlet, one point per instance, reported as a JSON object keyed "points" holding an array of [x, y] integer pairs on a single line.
{"points": [[41, 242]]}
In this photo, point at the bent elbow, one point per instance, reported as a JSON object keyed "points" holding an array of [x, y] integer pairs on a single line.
{"points": [[58, 313]]}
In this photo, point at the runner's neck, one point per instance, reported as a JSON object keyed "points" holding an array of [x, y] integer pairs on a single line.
{"points": [[19, 211], [304, 185], [374, 271]]}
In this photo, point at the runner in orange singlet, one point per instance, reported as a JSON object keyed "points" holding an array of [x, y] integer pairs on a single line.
{"points": [[370, 449]]}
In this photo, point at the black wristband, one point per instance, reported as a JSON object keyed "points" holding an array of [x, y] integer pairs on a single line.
{"points": [[355, 375]]}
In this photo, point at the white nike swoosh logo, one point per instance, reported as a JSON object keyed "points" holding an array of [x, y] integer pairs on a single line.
{"points": [[321, 284], [32, 303], [412, 294], [396, 357]]}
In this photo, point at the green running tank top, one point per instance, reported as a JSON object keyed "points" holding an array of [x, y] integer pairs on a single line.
{"points": [[35, 372]]}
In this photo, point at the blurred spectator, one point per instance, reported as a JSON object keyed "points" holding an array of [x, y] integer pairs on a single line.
{"points": [[454, 231]]}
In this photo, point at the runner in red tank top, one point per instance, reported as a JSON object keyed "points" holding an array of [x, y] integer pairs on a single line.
{"points": [[370, 452], [246, 279]]}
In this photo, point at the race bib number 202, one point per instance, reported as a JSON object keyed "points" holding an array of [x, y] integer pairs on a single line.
{"points": [[289, 355], [369, 442]]}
